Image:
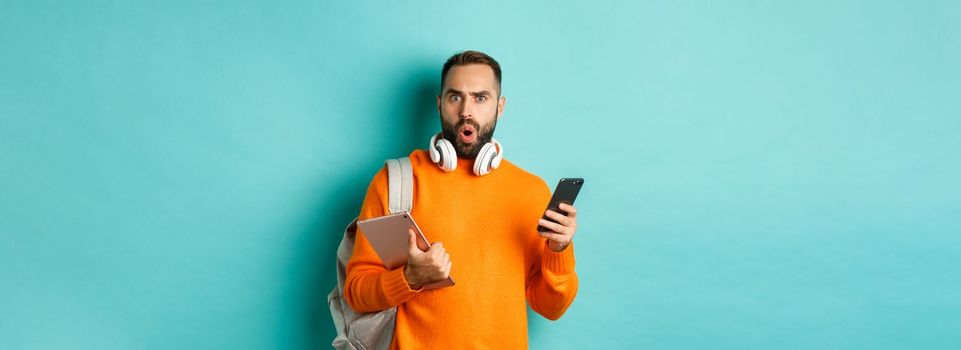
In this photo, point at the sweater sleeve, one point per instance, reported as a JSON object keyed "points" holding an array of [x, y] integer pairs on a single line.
{"points": [[370, 286], [551, 280], [552, 283]]}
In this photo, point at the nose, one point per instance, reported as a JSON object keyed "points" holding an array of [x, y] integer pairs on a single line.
{"points": [[466, 110]]}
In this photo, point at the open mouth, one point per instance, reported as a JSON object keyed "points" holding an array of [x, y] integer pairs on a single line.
{"points": [[467, 134]]}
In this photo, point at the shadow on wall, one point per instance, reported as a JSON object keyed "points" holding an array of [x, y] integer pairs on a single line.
{"points": [[409, 120]]}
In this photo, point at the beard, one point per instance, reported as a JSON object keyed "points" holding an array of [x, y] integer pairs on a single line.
{"points": [[468, 150]]}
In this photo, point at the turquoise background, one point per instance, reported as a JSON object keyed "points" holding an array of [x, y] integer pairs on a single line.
{"points": [[759, 174]]}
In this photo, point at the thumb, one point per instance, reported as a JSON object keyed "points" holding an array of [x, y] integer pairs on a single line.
{"points": [[412, 243]]}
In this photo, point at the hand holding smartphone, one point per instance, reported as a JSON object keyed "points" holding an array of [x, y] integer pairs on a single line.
{"points": [[565, 192]]}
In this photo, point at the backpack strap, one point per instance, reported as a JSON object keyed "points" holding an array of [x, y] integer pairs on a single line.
{"points": [[400, 185]]}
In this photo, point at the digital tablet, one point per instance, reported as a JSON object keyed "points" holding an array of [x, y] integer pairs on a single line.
{"points": [[388, 235]]}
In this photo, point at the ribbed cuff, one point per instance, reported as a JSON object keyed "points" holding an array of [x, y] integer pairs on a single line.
{"points": [[561, 262], [395, 287]]}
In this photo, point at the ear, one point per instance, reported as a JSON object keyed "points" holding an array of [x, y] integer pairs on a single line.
{"points": [[500, 106], [438, 103]]}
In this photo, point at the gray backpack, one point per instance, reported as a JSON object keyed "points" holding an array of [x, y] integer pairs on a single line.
{"points": [[375, 330]]}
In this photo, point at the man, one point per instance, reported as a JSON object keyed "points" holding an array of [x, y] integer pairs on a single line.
{"points": [[479, 215]]}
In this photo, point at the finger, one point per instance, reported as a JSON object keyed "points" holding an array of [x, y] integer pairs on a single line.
{"points": [[447, 268], [564, 220], [412, 243], [437, 255], [437, 246], [437, 251], [569, 209], [556, 237], [553, 226]]}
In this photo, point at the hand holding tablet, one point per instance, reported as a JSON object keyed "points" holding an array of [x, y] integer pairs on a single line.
{"points": [[400, 243]]}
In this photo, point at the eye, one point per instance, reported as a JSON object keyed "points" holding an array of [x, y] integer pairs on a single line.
{"points": [[454, 98], [481, 98]]}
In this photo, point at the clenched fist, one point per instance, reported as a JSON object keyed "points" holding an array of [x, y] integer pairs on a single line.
{"points": [[424, 268]]}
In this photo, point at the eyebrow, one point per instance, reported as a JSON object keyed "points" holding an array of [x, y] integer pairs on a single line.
{"points": [[458, 92]]}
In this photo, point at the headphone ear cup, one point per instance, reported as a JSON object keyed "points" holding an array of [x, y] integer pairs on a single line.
{"points": [[482, 165], [498, 156], [448, 156], [434, 155], [432, 148]]}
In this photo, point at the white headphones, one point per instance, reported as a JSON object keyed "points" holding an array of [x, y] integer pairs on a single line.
{"points": [[489, 158]]}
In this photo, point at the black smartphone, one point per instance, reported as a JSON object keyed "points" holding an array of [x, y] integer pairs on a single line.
{"points": [[565, 192]]}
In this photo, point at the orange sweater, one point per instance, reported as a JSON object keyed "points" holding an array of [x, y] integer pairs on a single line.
{"points": [[488, 225]]}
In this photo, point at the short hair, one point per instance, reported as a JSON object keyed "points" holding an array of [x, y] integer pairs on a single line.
{"points": [[471, 57]]}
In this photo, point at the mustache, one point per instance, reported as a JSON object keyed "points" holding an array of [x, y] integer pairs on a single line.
{"points": [[470, 122]]}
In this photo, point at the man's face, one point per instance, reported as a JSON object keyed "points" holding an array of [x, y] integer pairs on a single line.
{"points": [[469, 106]]}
